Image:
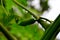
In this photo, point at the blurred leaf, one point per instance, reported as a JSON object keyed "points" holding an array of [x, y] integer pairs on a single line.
{"points": [[4, 18], [8, 4], [44, 5], [25, 22], [22, 6], [30, 32], [2, 13], [20, 21], [24, 2], [36, 12]]}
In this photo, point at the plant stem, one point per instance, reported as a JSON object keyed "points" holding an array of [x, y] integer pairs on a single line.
{"points": [[46, 19], [52, 29], [56, 32], [19, 4], [36, 17], [6, 33]]}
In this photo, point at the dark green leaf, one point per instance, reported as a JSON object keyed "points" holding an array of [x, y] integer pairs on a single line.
{"points": [[26, 22], [29, 32], [44, 5], [52, 29]]}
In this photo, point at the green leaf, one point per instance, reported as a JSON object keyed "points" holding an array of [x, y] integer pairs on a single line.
{"points": [[8, 4], [29, 32], [52, 29], [2, 14], [4, 18], [26, 22], [22, 6], [24, 2]]}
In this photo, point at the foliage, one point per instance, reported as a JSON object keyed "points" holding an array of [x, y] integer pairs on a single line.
{"points": [[18, 22]]}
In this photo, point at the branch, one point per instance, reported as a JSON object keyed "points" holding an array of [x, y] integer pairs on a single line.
{"points": [[36, 17], [46, 19], [6, 33], [19, 4]]}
